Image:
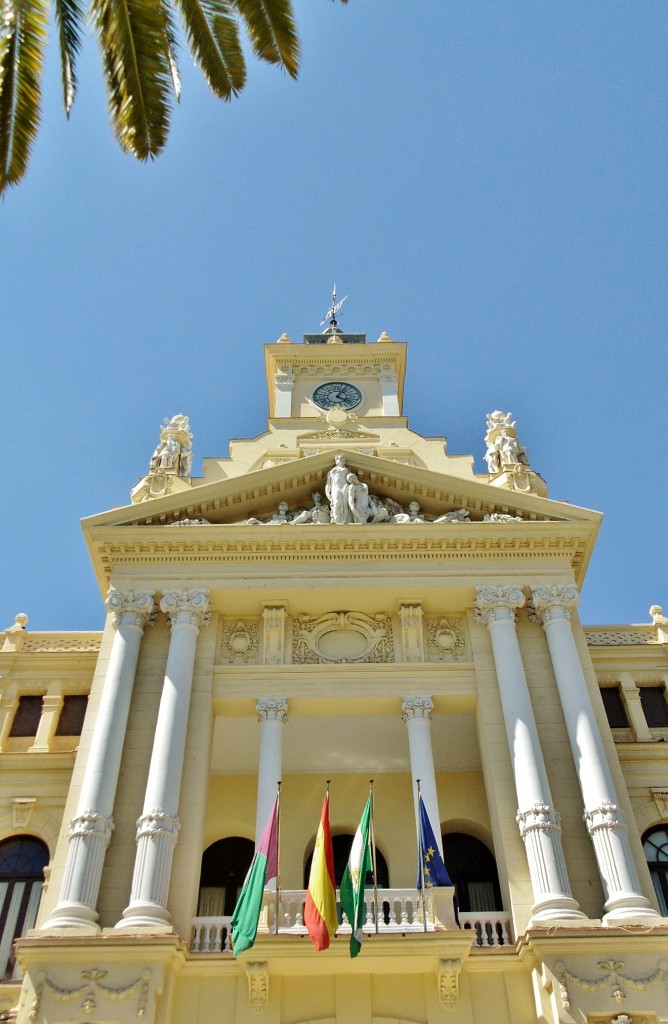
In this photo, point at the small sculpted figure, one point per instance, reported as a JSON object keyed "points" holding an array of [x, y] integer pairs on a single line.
{"points": [[358, 499]]}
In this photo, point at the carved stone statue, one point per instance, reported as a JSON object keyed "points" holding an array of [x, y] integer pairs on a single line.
{"points": [[460, 515], [171, 458], [336, 489], [358, 499]]}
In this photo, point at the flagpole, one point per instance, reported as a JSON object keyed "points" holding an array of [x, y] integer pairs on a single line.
{"points": [[373, 859], [421, 854], [278, 855]]}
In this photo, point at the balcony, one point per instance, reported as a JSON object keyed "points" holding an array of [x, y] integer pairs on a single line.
{"points": [[401, 915]]}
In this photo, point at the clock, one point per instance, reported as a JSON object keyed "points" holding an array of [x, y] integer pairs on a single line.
{"points": [[337, 392]]}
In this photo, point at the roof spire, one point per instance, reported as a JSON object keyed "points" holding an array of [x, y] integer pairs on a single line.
{"points": [[331, 314]]}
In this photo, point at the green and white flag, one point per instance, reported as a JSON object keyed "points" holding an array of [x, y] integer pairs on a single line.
{"points": [[352, 883]]}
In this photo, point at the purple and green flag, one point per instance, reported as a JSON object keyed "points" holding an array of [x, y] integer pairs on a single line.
{"points": [[263, 868]]}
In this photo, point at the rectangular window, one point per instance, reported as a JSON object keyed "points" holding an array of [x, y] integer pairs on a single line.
{"points": [[72, 715], [653, 700], [27, 716], [614, 707]]}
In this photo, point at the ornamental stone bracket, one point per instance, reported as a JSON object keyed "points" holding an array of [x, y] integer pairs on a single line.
{"points": [[22, 810], [273, 634], [660, 797], [448, 982], [258, 985]]}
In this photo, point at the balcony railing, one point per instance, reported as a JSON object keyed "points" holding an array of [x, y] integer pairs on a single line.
{"points": [[399, 914]]}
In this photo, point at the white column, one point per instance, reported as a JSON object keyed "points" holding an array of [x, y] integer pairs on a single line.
{"points": [[272, 713], [604, 819], [538, 821], [417, 716], [158, 827], [91, 830]]}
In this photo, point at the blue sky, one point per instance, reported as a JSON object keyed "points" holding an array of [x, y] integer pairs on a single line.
{"points": [[486, 180]]}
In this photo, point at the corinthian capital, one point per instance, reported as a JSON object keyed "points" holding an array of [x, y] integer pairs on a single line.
{"points": [[496, 603], [186, 606], [416, 707], [132, 607], [555, 601], [272, 709]]}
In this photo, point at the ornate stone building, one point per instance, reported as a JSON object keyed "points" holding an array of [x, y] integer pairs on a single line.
{"points": [[339, 599]]}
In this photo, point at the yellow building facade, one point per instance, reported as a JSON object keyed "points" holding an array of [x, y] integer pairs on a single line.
{"points": [[338, 600]]}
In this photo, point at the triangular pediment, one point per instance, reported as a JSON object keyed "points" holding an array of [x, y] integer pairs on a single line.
{"points": [[256, 495], [239, 517]]}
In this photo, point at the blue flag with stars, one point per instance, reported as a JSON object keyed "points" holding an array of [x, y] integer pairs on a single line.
{"points": [[431, 861]]}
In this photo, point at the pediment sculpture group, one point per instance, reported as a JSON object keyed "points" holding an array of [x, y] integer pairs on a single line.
{"points": [[351, 502]]}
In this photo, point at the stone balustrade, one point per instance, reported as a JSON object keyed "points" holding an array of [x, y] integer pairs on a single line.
{"points": [[400, 914]]}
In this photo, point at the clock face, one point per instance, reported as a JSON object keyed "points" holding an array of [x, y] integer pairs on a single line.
{"points": [[337, 392]]}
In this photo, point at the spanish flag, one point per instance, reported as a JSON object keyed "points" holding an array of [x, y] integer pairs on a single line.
{"points": [[320, 910]]}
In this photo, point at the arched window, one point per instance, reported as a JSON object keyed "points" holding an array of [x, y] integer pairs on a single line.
{"points": [[472, 868], [341, 845], [225, 865], [22, 863], [655, 845]]}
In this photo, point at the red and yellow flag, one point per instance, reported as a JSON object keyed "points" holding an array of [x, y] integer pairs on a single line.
{"points": [[320, 910]]}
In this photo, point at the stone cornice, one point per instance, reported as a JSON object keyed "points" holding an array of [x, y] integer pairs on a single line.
{"points": [[210, 547]]}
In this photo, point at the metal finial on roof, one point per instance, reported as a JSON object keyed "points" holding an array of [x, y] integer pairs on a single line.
{"points": [[330, 315]]}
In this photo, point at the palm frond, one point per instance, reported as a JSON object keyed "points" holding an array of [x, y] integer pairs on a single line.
{"points": [[213, 35], [272, 31], [136, 57], [172, 47], [69, 18], [22, 42]]}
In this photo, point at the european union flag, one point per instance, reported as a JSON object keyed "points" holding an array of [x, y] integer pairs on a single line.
{"points": [[431, 861]]}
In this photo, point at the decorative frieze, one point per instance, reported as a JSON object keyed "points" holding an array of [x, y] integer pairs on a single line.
{"points": [[342, 637], [446, 640], [95, 986], [239, 643], [614, 979]]}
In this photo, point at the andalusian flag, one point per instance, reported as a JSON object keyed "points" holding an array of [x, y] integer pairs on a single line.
{"points": [[320, 910], [352, 883], [263, 868]]}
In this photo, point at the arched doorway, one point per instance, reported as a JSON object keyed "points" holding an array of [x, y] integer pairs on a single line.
{"points": [[472, 868], [225, 865], [22, 863], [655, 846]]}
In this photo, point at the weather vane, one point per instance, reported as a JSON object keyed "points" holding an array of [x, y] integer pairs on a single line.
{"points": [[330, 315]]}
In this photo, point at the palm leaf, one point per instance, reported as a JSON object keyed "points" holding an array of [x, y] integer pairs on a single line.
{"points": [[136, 54], [69, 18], [22, 41], [272, 31], [213, 35]]}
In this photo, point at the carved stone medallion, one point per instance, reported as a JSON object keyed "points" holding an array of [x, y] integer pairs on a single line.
{"points": [[341, 637], [445, 639]]}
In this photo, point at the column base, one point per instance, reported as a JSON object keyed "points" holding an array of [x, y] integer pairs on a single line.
{"points": [[146, 915], [630, 909], [556, 908], [67, 916]]}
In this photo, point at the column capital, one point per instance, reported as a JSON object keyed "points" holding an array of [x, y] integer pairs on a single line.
{"points": [[189, 607], [555, 601], [417, 708], [272, 709], [497, 603], [130, 607], [91, 825]]}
